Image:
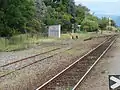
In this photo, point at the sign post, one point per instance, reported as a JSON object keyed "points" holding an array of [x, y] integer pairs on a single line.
{"points": [[54, 31], [72, 20]]}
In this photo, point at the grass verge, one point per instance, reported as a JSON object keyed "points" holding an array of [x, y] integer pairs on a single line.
{"points": [[24, 41]]}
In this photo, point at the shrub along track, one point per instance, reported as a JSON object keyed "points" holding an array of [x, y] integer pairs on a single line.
{"points": [[71, 77]]}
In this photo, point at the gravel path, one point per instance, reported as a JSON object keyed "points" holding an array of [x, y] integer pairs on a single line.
{"points": [[97, 79], [35, 75]]}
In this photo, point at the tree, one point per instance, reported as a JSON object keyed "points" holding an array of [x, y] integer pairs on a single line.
{"points": [[89, 25], [113, 23], [51, 16], [103, 23], [80, 13], [14, 16], [92, 17], [41, 9], [71, 8], [40, 15]]}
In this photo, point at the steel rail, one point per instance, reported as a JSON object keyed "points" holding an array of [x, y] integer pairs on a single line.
{"points": [[29, 57], [75, 87], [72, 64], [33, 56], [32, 63]]}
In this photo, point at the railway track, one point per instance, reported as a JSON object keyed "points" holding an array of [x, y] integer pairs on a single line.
{"points": [[25, 59], [28, 57], [72, 76], [23, 63], [28, 61]]}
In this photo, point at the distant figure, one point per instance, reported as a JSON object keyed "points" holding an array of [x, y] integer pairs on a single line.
{"points": [[77, 37], [72, 37]]}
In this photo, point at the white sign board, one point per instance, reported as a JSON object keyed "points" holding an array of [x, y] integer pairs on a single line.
{"points": [[54, 31]]}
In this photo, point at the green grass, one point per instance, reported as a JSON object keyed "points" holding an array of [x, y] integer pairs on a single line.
{"points": [[21, 42], [81, 35], [24, 41]]}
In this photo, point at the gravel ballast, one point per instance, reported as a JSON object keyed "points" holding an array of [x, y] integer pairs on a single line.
{"points": [[31, 77], [97, 79]]}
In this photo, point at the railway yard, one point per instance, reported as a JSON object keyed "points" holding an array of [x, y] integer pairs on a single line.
{"points": [[59, 45], [67, 65]]}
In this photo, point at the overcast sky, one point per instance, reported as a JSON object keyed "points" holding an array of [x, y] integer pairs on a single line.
{"points": [[109, 7]]}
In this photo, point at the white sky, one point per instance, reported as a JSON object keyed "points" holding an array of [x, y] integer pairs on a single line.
{"points": [[96, 0], [102, 6]]}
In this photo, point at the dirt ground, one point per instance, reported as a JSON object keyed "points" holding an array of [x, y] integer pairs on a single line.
{"points": [[97, 79]]}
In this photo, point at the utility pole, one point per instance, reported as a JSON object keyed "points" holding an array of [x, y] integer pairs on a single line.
{"points": [[109, 19], [85, 19], [73, 24]]}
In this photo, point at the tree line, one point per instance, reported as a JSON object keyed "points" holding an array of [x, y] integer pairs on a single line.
{"points": [[33, 16]]}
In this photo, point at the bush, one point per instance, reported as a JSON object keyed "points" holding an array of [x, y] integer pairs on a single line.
{"points": [[111, 28], [89, 25]]}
